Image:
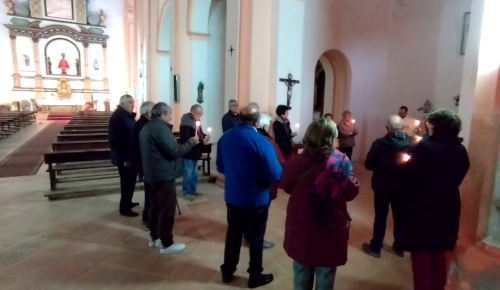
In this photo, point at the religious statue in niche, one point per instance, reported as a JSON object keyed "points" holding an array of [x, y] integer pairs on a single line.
{"points": [[201, 86], [96, 64], [11, 6], [49, 66], [64, 89], [102, 18], [26, 60], [77, 65], [63, 64]]}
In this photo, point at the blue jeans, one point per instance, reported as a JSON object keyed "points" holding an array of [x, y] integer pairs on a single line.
{"points": [[190, 179], [303, 277]]}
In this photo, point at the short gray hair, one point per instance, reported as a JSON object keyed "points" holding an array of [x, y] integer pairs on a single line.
{"points": [[394, 123], [146, 108], [125, 99], [196, 107], [158, 109], [232, 103], [264, 120]]}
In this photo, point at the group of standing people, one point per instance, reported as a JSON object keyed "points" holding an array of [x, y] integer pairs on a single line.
{"points": [[419, 180]]}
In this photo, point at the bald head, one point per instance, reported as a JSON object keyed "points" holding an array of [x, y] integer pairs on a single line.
{"points": [[250, 114], [394, 124]]}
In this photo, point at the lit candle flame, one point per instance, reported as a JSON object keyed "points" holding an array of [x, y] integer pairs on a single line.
{"points": [[297, 125], [198, 123], [406, 157], [209, 129], [417, 123], [353, 121], [418, 138]]}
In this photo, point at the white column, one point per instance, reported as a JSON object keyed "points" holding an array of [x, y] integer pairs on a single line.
{"points": [[38, 70], [15, 66], [105, 67]]}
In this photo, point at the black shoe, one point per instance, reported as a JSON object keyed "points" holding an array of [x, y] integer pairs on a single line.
{"points": [[368, 249], [134, 204], [398, 253], [260, 280], [129, 213], [227, 278]]}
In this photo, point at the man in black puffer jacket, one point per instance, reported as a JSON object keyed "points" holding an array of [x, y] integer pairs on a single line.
{"points": [[385, 159]]}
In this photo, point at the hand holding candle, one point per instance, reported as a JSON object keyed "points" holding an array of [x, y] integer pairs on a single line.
{"points": [[406, 157], [198, 124]]}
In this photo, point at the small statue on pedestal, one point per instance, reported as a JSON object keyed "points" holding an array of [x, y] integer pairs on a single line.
{"points": [[102, 18], [11, 6]]}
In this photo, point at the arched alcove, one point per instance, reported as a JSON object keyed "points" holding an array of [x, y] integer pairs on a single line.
{"points": [[337, 82]]}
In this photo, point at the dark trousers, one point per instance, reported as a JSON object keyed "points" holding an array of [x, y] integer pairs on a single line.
{"points": [[128, 177], [250, 221], [162, 212], [347, 151], [382, 201], [147, 201], [430, 270]]}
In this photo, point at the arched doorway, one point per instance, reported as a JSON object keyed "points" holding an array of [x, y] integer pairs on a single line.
{"points": [[332, 85]]}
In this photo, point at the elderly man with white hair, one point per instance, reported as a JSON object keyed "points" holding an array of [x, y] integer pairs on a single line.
{"points": [[121, 124], [385, 160], [145, 111]]}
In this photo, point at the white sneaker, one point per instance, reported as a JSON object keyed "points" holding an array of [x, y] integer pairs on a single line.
{"points": [[174, 248], [155, 244]]}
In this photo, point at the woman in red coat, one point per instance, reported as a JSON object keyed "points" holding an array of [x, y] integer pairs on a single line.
{"points": [[320, 182]]}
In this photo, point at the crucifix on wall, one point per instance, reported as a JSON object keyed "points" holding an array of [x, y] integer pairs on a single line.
{"points": [[289, 82], [231, 49]]}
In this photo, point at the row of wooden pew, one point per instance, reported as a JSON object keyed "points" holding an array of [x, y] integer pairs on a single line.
{"points": [[13, 121], [82, 151]]}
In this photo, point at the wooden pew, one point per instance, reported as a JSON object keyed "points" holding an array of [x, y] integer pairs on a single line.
{"points": [[82, 137], [75, 160], [80, 145], [83, 131], [85, 126]]}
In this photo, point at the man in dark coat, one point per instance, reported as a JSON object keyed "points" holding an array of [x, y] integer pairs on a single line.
{"points": [[232, 117], [385, 160], [434, 173], [190, 127], [145, 111], [121, 124], [161, 158]]}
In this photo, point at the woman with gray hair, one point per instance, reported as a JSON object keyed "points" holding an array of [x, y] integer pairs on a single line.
{"points": [[320, 182], [145, 111]]}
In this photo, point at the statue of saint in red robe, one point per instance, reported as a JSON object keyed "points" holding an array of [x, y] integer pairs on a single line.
{"points": [[63, 64]]}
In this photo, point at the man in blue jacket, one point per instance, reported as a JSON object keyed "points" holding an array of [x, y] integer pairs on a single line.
{"points": [[249, 163]]}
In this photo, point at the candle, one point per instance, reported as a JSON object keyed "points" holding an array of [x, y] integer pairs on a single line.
{"points": [[417, 123], [209, 129], [297, 126], [418, 138], [353, 121], [198, 124], [406, 157]]}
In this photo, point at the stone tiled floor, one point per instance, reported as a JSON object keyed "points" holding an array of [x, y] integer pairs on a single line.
{"points": [[83, 243]]}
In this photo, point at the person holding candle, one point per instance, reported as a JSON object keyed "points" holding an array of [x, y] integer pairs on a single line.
{"points": [[347, 131], [283, 134], [386, 157], [410, 125], [320, 183], [432, 215], [190, 127]]}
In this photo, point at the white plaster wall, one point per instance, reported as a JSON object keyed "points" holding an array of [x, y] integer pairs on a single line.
{"points": [[232, 39], [398, 53], [289, 56], [6, 72], [214, 88]]}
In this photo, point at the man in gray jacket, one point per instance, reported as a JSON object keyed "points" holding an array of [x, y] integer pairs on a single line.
{"points": [[162, 165]]}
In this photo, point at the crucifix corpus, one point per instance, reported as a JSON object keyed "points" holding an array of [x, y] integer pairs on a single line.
{"points": [[289, 82]]}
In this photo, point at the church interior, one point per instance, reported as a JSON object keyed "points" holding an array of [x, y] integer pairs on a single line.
{"points": [[67, 63]]}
